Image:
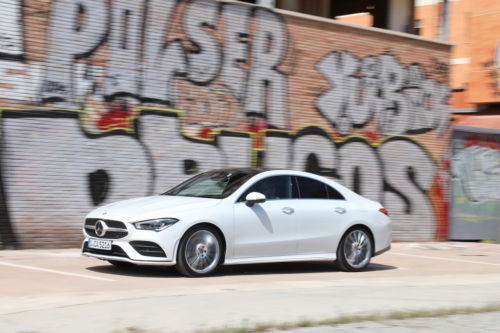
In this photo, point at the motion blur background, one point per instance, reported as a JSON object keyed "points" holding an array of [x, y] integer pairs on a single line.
{"points": [[105, 100]]}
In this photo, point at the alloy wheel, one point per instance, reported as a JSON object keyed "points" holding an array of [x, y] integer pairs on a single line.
{"points": [[357, 249], [202, 251]]}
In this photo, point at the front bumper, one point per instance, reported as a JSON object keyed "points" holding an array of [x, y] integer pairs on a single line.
{"points": [[123, 251], [137, 262]]}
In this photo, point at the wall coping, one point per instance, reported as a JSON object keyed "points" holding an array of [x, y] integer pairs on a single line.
{"points": [[475, 129], [344, 24]]}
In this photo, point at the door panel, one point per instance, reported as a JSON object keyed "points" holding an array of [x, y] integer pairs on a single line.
{"points": [[267, 229], [320, 223], [322, 215]]}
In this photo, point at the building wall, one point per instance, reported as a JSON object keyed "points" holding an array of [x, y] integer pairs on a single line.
{"points": [[473, 26], [107, 100]]}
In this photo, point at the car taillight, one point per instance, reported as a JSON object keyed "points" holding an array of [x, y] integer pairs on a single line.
{"points": [[384, 211]]}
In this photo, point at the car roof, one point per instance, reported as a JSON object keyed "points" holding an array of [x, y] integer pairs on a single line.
{"points": [[249, 170], [271, 171]]}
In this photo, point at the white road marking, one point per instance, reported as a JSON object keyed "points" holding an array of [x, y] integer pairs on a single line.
{"points": [[53, 271], [62, 254], [438, 258]]}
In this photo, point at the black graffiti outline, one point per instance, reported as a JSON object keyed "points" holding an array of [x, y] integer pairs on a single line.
{"points": [[318, 131], [83, 55], [179, 115], [339, 55], [109, 30], [8, 236], [359, 139], [372, 113], [198, 48], [394, 190], [142, 73], [18, 57], [252, 21], [387, 187]]}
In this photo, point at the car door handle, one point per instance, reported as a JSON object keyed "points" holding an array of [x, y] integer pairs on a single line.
{"points": [[340, 210], [287, 210]]}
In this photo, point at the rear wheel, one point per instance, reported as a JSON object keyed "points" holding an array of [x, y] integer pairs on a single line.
{"points": [[355, 250], [121, 263], [199, 252]]}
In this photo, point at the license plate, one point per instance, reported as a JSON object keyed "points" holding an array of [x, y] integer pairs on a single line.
{"points": [[100, 244]]}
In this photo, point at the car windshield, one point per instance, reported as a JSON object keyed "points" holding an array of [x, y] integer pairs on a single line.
{"points": [[218, 184]]}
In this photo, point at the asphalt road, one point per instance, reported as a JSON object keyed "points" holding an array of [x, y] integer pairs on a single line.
{"points": [[60, 291]]}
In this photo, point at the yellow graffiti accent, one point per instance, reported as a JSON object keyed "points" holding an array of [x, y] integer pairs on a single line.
{"points": [[475, 218]]}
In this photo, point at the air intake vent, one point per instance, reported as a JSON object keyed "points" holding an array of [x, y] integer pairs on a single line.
{"points": [[148, 249]]}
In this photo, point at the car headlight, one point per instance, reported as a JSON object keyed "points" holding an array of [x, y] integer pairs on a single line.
{"points": [[156, 224]]}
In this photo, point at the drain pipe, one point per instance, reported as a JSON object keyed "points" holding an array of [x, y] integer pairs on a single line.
{"points": [[444, 21]]}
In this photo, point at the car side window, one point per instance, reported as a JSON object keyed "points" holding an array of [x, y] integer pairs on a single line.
{"points": [[311, 189], [333, 194], [274, 188], [314, 189]]}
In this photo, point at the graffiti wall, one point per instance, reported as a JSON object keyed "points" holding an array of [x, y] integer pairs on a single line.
{"points": [[107, 100], [475, 187]]}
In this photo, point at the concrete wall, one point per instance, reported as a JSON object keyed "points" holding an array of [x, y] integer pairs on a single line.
{"points": [[107, 100], [475, 186]]}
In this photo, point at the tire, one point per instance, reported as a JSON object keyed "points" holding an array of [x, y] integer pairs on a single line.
{"points": [[200, 252], [121, 263], [355, 250]]}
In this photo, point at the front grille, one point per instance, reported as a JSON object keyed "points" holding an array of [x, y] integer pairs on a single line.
{"points": [[110, 223], [109, 234], [116, 251], [148, 249]]}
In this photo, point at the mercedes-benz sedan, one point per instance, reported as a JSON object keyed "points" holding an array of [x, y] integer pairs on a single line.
{"points": [[241, 216]]}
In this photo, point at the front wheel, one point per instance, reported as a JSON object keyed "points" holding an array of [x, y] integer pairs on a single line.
{"points": [[199, 252], [355, 250]]}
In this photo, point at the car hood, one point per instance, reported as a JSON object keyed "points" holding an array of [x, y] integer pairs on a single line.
{"points": [[158, 206]]}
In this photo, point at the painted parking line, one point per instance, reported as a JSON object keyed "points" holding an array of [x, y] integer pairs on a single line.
{"points": [[53, 271], [448, 259]]}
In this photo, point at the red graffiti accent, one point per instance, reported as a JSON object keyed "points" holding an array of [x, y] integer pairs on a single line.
{"points": [[476, 141], [440, 204], [438, 197], [118, 117], [337, 136], [258, 127], [372, 137], [206, 133]]}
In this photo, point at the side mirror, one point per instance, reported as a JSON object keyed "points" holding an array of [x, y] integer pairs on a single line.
{"points": [[255, 197]]}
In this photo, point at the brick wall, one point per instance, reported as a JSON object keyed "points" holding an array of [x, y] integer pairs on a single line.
{"points": [[107, 100]]}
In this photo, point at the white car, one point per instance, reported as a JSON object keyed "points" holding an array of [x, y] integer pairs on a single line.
{"points": [[241, 216]]}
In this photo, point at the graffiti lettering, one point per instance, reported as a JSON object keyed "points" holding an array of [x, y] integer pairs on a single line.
{"points": [[248, 86], [401, 99], [11, 35], [163, 157], [478, 169], [67, 44]]}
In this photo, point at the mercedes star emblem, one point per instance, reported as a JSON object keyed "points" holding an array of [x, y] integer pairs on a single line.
{"points": [[100, 228]]}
